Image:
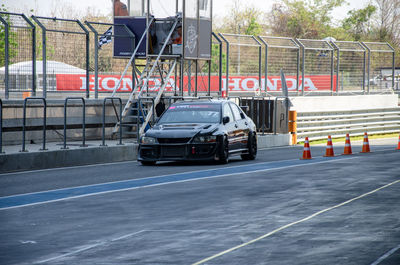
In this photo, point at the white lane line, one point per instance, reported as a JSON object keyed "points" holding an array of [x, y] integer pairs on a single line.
{"points": [[82, 249], [172, 182], [387, 254], [292, 224], [64, 168], [148, 178]]}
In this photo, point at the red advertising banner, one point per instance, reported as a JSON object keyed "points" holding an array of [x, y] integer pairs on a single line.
{"points": [[73, 82]]}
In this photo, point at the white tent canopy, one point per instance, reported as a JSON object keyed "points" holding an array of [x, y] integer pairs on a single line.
{"points": [[53, 67]]}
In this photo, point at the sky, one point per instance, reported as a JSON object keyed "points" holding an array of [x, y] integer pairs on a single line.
{"points": [[220, 7]]}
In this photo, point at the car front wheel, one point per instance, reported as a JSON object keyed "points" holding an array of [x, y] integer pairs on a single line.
{"points": [[224, 151], [252, 145]]}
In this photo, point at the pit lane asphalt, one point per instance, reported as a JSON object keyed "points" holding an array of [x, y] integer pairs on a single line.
{"points": [[187, 222]]}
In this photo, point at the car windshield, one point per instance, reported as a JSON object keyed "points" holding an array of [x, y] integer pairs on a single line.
{"points": [[188, 113]]}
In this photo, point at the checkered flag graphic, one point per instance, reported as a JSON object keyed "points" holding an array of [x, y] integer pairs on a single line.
{"points": [[105, 38]]}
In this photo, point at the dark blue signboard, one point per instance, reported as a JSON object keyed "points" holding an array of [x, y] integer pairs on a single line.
{"points": [[138, 26]]}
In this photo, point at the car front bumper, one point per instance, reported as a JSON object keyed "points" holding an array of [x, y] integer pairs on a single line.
{"points": [[177, 152]]}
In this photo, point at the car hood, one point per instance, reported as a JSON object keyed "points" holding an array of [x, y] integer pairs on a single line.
{"points": [[178, 130]]}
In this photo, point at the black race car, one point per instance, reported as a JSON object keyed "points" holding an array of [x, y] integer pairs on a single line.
{"points": [[199, 130]]}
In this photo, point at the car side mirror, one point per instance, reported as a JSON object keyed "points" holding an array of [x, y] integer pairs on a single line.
{"points": [[225, 120]]}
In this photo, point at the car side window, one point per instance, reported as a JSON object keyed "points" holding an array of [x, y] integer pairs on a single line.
{"points": [[228, 112], [236, 112]]}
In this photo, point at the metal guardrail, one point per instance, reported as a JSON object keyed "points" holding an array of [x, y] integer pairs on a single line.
{"points": [[119, 117], [83, 120], [141, 113], [318, 125], [24, 123]]}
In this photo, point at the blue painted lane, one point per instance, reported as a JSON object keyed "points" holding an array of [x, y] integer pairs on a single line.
{"points": [[82, 191]]}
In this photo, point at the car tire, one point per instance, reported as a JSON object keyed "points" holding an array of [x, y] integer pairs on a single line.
{"points": [[252, 145], [148, 163], [224, 151]]}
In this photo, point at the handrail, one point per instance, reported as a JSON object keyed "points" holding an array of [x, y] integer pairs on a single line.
{"points": [[24, 123], [119, 119], [1, 127], [83, 120], [132, 57], [140, 110], [159, 56]]}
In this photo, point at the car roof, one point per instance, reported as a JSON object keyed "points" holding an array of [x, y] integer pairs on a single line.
{"points": [[200, 101]]}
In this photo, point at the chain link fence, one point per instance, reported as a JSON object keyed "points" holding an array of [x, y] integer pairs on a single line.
{"points": [[350, 66], [56, 57], [63, 56], [380, 67], [281, 54], [17, 59], [105, 68]]}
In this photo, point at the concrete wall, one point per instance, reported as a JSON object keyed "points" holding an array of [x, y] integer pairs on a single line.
{"points": [[338, 103], [271, 140]]}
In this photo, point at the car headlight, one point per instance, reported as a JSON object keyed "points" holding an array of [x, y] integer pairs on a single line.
{"points": [[205, 139], [148, 140]]}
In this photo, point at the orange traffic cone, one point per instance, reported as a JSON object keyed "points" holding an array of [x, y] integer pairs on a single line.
{"points": [[306, 150], [329, 148], [347, 146], [365, 148], [398, 145]]}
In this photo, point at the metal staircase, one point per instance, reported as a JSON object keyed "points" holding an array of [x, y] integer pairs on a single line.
{"points": [[139, 111]]}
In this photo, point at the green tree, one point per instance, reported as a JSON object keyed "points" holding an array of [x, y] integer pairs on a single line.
{"points": [[12, 39], [303, 19], [358, 22], [241, 20]]}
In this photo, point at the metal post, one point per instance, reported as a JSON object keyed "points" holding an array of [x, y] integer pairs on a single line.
{"points": [[189, 77], [259, 62], [33, 54], [87, 56], [368, 68], [181, 66], [209, 78], [227, 65], [266, 67], [364, 64], [332, 71], [337, 66], [24, 126], [44, 63], [6, 58], [227, 70], [196, 64], [24, 123], [1, 127], [303, 70], [219, 62], [176, 79], [96, 63], [303, 60], [393, 67]]}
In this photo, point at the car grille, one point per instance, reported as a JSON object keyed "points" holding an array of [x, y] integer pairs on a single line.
{"points": [[169, 151], [173, 140]]}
